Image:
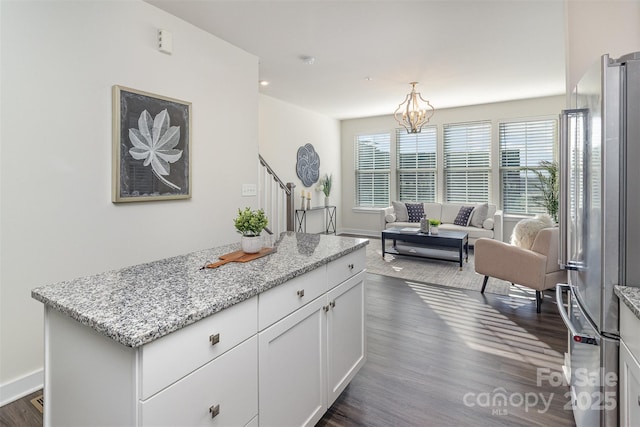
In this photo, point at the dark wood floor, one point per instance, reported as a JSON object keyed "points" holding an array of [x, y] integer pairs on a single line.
{"points": [[440, 356], [443, 357]]}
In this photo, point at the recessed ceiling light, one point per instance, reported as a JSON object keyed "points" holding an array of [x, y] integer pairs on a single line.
{"points": [[263, 83], [309, 60]]}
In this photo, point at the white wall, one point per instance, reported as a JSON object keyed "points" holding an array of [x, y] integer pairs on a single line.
{"points": [[59, 62], [597, 27], [367, 221], [285, 127]]}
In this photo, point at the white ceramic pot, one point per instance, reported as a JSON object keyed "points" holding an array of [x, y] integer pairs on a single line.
{"points": [[326, 200], [251, 244], [434, 230]]}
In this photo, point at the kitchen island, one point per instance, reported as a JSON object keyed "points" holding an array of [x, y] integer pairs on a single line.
{"points": [[269, 342]]}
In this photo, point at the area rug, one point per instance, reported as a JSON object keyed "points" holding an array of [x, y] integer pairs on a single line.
{"points": [[432, 271]]}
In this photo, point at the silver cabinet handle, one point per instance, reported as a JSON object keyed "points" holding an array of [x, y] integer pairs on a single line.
{"points": [[214, 410], [300, 293], [214, 339]]}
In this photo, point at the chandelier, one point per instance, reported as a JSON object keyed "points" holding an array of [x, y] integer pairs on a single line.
{"points": [[409, 113]]}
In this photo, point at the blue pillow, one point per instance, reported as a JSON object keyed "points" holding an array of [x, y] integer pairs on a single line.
{"points": [[464, 215], [415, 211]]}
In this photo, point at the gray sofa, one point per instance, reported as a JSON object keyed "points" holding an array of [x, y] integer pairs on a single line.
{"points": [[491, 227]]}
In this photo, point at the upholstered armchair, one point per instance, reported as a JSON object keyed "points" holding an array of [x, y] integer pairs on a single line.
{"points": [[536, 268]]}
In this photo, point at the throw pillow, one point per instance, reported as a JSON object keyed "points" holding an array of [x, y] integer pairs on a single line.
{"points": [[464, 214], [401, 211], [480, 213], [415, 211], [526, 230]]}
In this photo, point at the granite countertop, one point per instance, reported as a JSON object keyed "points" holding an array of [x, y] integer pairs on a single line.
{"points": [[138, 304], [630, 295]]}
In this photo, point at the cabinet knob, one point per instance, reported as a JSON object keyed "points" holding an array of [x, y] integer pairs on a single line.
{"points": [[332, 304], [325, 308], [350, 266], [214, 410], [638, 400], [214, 339], [300, 293]]}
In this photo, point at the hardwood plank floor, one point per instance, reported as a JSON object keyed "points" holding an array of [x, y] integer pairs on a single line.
{"points": [[440, 356]]}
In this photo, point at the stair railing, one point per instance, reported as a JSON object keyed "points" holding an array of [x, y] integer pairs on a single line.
{"points": [[276, 199]]}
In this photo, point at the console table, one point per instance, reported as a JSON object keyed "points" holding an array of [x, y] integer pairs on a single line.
{"points": [[330, 218]]}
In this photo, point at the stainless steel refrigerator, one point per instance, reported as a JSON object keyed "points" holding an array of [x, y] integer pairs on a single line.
{"points": [[599, 228]]}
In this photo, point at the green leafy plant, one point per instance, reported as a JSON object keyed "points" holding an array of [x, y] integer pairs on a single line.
{"points": [[434, 222], [250, 223], [325, 184], [549, 186]]}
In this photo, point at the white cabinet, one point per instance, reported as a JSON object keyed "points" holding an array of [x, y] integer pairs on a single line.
{"points": [[309, 357], [629, 388], [346, 335], [224, 392], [291, 368], [629, 376]]}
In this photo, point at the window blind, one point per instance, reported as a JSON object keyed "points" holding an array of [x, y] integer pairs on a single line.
{"points": [[523, 145], [373, 171], [467, 161], [416, 165]]}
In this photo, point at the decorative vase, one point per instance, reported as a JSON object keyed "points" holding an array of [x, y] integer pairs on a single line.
{"points": [[302, 206], [424, 225], [308, 204], [251, 244], [326, 201], [434, 230]]}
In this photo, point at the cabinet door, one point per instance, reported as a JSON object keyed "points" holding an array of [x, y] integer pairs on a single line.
{"points": [[292, 365], [629, 388], [228, 383], [346, 335]]}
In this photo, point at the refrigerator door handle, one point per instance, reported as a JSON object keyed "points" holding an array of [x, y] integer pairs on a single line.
{"points": [[575, 335], [563, 205]]}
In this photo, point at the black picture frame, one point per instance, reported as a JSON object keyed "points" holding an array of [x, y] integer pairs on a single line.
{"points": [[151, 147]]}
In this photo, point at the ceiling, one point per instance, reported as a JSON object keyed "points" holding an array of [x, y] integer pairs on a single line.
{"points": [[367, 51]]}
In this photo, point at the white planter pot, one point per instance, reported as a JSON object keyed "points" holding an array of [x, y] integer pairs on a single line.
{"points": [[434, 230], [326, 200], [251, 244]]}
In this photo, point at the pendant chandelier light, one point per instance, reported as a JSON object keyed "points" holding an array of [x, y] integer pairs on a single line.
{"points": [[410, 114]]}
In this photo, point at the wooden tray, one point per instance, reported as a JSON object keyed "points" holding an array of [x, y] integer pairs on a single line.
{"points": [[240, 256]]}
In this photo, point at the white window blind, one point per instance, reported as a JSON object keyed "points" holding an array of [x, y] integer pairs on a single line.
{"points": [[373, 171], [416, 164], [467, 161], [523, 145]]}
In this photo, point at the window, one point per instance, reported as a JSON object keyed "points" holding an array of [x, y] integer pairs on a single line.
{"points": [[373, 170], [416, 165], [467, 162], [523, 145]]}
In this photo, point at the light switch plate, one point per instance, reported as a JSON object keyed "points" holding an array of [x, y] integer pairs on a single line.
{"points": [[249, 190]]}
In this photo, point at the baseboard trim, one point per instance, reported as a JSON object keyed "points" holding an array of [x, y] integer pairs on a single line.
{"points": [[14, 390], [367, 233]]}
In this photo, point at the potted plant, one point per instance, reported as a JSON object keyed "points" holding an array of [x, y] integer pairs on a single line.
{"points": [[549, 186], [433, 225], [250, 224], [325, 186]]}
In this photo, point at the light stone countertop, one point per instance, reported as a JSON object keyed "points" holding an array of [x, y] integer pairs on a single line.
{"points": [[630, 296], [138, 304]]}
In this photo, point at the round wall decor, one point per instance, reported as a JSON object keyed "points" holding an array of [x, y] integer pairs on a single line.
{"points": [[308, 165]]}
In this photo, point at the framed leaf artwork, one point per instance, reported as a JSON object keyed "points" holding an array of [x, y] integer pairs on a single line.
{"points": [[151, 147]]}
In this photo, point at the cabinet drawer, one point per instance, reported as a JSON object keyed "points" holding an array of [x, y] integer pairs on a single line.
{"points": [[230, 382], [345, 267], [282, 300], [171, 357]]}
